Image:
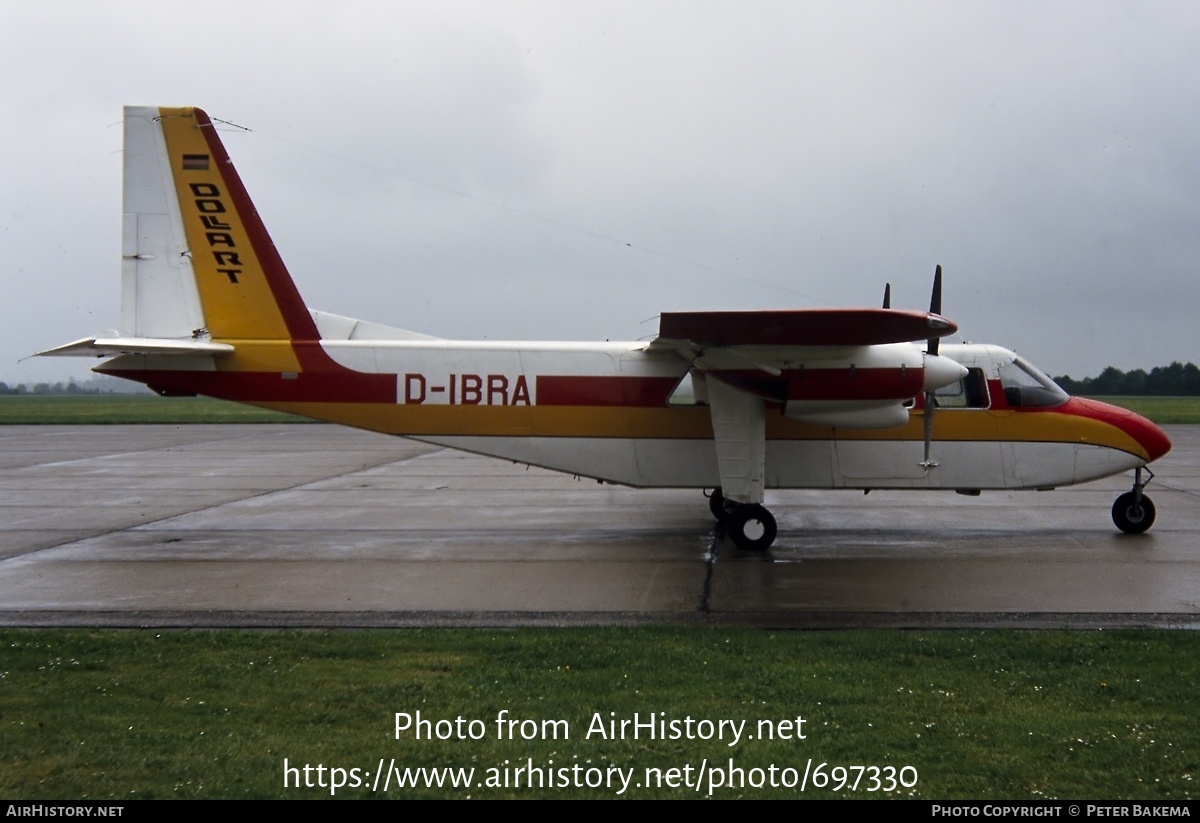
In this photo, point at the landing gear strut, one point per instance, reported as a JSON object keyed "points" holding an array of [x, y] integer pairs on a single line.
{"points": [[1133, 512], [750, 526]]}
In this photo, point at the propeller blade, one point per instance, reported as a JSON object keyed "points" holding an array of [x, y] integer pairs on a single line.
{"points": [[935, 306], [887, 295]]}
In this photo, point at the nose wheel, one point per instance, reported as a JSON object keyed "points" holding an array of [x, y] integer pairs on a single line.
{"points": [[1133, 512]]}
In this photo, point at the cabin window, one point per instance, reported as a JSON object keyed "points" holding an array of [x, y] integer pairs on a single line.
{"points": [[1026, 387], [967, 393]]}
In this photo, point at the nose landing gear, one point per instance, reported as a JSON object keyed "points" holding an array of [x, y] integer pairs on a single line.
{"points": [[1133, 512]]}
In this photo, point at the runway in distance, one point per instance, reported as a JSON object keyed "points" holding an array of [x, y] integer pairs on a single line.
{"points": [[733, 402]]}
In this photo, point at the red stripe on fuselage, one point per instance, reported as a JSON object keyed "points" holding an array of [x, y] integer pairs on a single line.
{"points": [[344, 386], [571, 390]]}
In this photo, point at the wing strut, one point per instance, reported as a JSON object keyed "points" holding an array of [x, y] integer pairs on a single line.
{"points": [[740, 432]]}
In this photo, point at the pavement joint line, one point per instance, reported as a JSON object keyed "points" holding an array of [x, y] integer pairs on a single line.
{"points": [[1166, 486], [116, 454], [710, 562], [437, 451]]}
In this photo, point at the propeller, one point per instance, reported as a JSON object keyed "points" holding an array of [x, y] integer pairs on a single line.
{"points": [[887, 295], [935, 307]]}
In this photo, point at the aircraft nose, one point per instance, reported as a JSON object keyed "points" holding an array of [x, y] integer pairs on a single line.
{"points": [[1149, 436], [1153, 439]]}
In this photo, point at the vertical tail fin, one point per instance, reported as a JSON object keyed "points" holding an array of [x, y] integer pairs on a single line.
{"points": [[207, 306], [198, 262]]}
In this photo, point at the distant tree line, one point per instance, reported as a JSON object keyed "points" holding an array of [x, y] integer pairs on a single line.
{"points": [[1174, 380], [70, 387], [102, 384]]}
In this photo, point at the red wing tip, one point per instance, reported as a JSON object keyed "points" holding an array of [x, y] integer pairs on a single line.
{"points": [[804, 327], [940, 324]]}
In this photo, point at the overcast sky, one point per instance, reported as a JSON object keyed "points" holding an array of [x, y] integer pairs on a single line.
{"points": [[522, 170]]}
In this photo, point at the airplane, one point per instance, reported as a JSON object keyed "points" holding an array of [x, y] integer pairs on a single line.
{"points": [[735, 402]]}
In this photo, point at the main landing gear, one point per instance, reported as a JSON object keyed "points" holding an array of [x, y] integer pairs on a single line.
{"points": [[749, 525], [1133, 512]]}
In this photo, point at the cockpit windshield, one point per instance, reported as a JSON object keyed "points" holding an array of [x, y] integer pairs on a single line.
{"points": [[1026, 386]]}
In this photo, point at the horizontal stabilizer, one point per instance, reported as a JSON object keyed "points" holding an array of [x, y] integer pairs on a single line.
{"points": [[108, 346], [804, 327]]}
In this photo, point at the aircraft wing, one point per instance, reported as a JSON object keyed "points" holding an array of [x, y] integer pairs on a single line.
{"points": [[803, 327], [844, 368], [841, 368], [108, 346]]}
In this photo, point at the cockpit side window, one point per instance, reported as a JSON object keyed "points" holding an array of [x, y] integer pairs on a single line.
{"points": [[1026, 387], [969, 393]]}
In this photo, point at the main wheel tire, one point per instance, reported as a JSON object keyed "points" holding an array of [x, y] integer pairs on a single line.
{"points": [[1132, 516], [751, 527], [716, 505]]}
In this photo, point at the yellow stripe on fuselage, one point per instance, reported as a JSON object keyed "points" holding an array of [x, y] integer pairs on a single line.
{"points": [[696, 423]]}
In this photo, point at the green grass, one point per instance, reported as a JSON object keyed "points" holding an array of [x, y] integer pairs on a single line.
{"points": [[131, 408], [998, 714]]}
